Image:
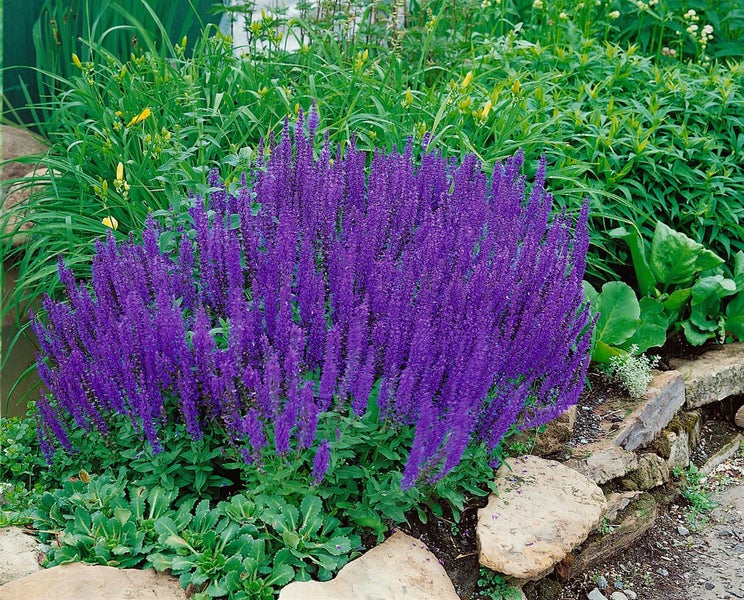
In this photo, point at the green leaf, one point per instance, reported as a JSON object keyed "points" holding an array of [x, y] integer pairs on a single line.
{"points": [[651, 331], [310, 511], [676, 258], [735, 316], [618, 313], [677, 299], [644, 274]]}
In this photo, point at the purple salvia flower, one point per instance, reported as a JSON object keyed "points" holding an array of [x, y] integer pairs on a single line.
{"points": [[321, 462]]}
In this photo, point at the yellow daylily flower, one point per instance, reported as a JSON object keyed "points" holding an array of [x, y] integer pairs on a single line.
{"points": [[120, 170], [140, 117], [467, 81], [110, 222], [76, 61]]}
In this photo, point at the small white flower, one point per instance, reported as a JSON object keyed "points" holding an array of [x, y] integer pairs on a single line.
{"points": [[692, 29], [537, 4], [563, 16], [708, 29], [615, 14]]}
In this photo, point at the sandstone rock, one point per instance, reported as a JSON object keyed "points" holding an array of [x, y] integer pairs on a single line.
{"points": [[602, 461], [664, 396], [18, 195], [556, 433], [634, 521], [713, 376], [739, 417], [652, 472], [401, 568], [18, 554], [93, 582], [16, 142], [543, 510]]}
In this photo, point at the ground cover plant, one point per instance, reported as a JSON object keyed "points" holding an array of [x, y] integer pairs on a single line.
{"points": [[315, 327]]}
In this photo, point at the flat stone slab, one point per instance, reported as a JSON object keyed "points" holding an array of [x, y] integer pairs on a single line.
{"points": [[713, 376], [543, 511], [602, 461], [664, 396], [93, 582], [19, 554], [401, 568]]}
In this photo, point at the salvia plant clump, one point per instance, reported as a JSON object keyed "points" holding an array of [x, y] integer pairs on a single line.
{"points": [[452, 299]]}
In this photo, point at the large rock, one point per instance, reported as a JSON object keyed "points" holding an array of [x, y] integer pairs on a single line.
{"points": [[19, 554], [17, 197], [664, 396], [602, 461], [16, 142], [93, 582], [713, 376], [674, 446], [401, 568], [543, 510]]}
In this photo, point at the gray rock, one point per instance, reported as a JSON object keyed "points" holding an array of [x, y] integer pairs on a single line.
{"points": [[595, 594], [713, 376], [543, 511], [602, 461], [663, 572], [664, 396], [682, 530], [602, 582], [618, 596], [631, 594]]}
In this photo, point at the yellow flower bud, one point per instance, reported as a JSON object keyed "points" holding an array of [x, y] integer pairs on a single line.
{"points": [[76, 61], [120, 171], [140, 117], [110, 222], [467, 81], [184, 39], [516, 87]]}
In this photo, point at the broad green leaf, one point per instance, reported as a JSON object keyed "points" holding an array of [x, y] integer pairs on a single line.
{"points": [[618, 313], [739, 270], [676, 258], [735, 316], [310, 510], [677, 299], [160, 562], [651, 331], [643, 272], [122, 514], [694, 335]]}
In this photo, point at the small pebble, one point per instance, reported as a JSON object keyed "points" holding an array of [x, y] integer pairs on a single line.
{"points": [[595, 594], [631, 594], [663, 572], [683, 530], [618, 584], [709, 586], [602, 582], [618, 596]]}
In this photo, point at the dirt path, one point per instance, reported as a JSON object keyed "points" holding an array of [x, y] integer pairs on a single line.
{"points": [[719, 570]]}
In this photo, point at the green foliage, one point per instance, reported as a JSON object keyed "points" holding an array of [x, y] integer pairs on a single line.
{"points": [[492, 586], [694, 491], [624, 322], [686, 283]]}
